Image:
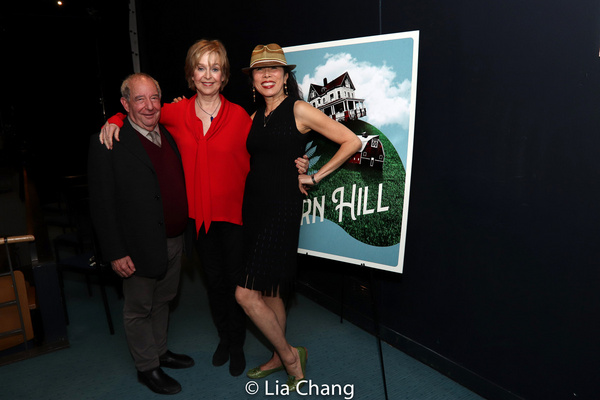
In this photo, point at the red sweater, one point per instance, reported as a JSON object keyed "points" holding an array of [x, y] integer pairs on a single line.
{"points": [[216, 164], [172, 187]]}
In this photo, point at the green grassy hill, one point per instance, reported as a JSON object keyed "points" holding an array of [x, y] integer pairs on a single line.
{"points": [[377, 229]]}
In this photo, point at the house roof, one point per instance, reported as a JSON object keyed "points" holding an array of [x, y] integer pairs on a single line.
{"points": [[337, 82], [365, 140]]}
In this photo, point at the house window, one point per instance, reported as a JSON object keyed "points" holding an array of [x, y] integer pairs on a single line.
{"points": [[375, 143]]}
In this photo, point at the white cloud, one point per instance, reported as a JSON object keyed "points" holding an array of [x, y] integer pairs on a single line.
{"points": [[387, 100]]}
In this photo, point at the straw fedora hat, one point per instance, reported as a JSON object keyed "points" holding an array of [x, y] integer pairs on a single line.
{"points": [[270, 55]]}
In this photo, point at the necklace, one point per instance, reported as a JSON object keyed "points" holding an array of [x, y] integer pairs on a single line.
{"points": [[266, 118], [206, 112]]}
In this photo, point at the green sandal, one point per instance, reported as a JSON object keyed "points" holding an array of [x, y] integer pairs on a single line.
{"points": [[257, 373], [292, 382]]}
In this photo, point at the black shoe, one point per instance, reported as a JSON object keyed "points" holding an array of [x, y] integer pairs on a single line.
{"points": [[221, 355], [176, 361], [159, 382], [237, 364]]}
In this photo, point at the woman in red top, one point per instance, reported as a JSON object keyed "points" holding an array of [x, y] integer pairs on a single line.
{"points": [[211, 133]]}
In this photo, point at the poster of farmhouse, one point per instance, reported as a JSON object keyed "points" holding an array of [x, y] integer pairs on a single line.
{"points": [[359, 214]]}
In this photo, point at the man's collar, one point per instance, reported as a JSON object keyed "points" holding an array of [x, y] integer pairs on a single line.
{"points": [[141, 130]]}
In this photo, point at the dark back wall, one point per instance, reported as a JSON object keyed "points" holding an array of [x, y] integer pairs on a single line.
{"points": [[501, 284], [61, 72]]}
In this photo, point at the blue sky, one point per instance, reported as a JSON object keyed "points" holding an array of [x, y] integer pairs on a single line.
{"points": [[381, 68]]}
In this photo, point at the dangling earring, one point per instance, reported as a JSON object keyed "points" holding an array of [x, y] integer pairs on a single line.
{"points": [[285, 91], [253, 94]]}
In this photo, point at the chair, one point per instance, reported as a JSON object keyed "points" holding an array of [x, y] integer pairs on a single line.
{"points": [[58, 213], [12, 332], [86, 263], [79, 237], [81, 254], [15, 318]]}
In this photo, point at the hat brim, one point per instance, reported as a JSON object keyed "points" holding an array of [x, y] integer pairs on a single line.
{"points": [[267, 64]]}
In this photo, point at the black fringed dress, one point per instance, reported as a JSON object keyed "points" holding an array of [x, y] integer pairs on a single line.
{"points": [[272, 206]]}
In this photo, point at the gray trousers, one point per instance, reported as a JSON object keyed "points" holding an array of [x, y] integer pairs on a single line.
{"points": [[146, 310]]}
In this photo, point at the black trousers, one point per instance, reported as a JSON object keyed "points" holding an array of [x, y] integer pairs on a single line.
{"points": [[221, 252]]}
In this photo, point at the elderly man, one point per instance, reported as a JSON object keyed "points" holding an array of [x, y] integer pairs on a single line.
{"points": [[139, 211]]}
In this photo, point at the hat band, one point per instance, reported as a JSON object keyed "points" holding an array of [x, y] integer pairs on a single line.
{"points": [[266, 61]]}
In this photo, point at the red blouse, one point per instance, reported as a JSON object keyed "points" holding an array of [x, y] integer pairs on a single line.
{"points": [[216, 164]]}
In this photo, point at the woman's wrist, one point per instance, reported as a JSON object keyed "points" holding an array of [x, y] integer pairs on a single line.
{"points": [[314, 181]]}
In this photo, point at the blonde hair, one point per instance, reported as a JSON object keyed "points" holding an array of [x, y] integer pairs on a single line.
{"points": [[195, 53]]}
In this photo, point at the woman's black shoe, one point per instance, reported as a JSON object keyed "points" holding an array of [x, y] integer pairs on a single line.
{"points": [[221, 354], [237, 363]]}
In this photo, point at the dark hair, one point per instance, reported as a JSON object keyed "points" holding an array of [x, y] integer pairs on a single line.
{"points": [[293, 89]]}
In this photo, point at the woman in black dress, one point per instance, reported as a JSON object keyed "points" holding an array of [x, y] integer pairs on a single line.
{"points": [[273, 201]]}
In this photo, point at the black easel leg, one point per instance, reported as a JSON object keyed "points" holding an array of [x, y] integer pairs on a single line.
{"points": [[376, 323], [343, 280]]}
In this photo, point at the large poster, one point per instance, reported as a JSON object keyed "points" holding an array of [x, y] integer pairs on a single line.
{"points": [[359, 214]]}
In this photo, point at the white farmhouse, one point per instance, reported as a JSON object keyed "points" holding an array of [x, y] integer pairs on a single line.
{"points": [[336, 99]]}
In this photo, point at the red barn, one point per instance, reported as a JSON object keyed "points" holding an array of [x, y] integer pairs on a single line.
{"points": [[371, 152]]}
